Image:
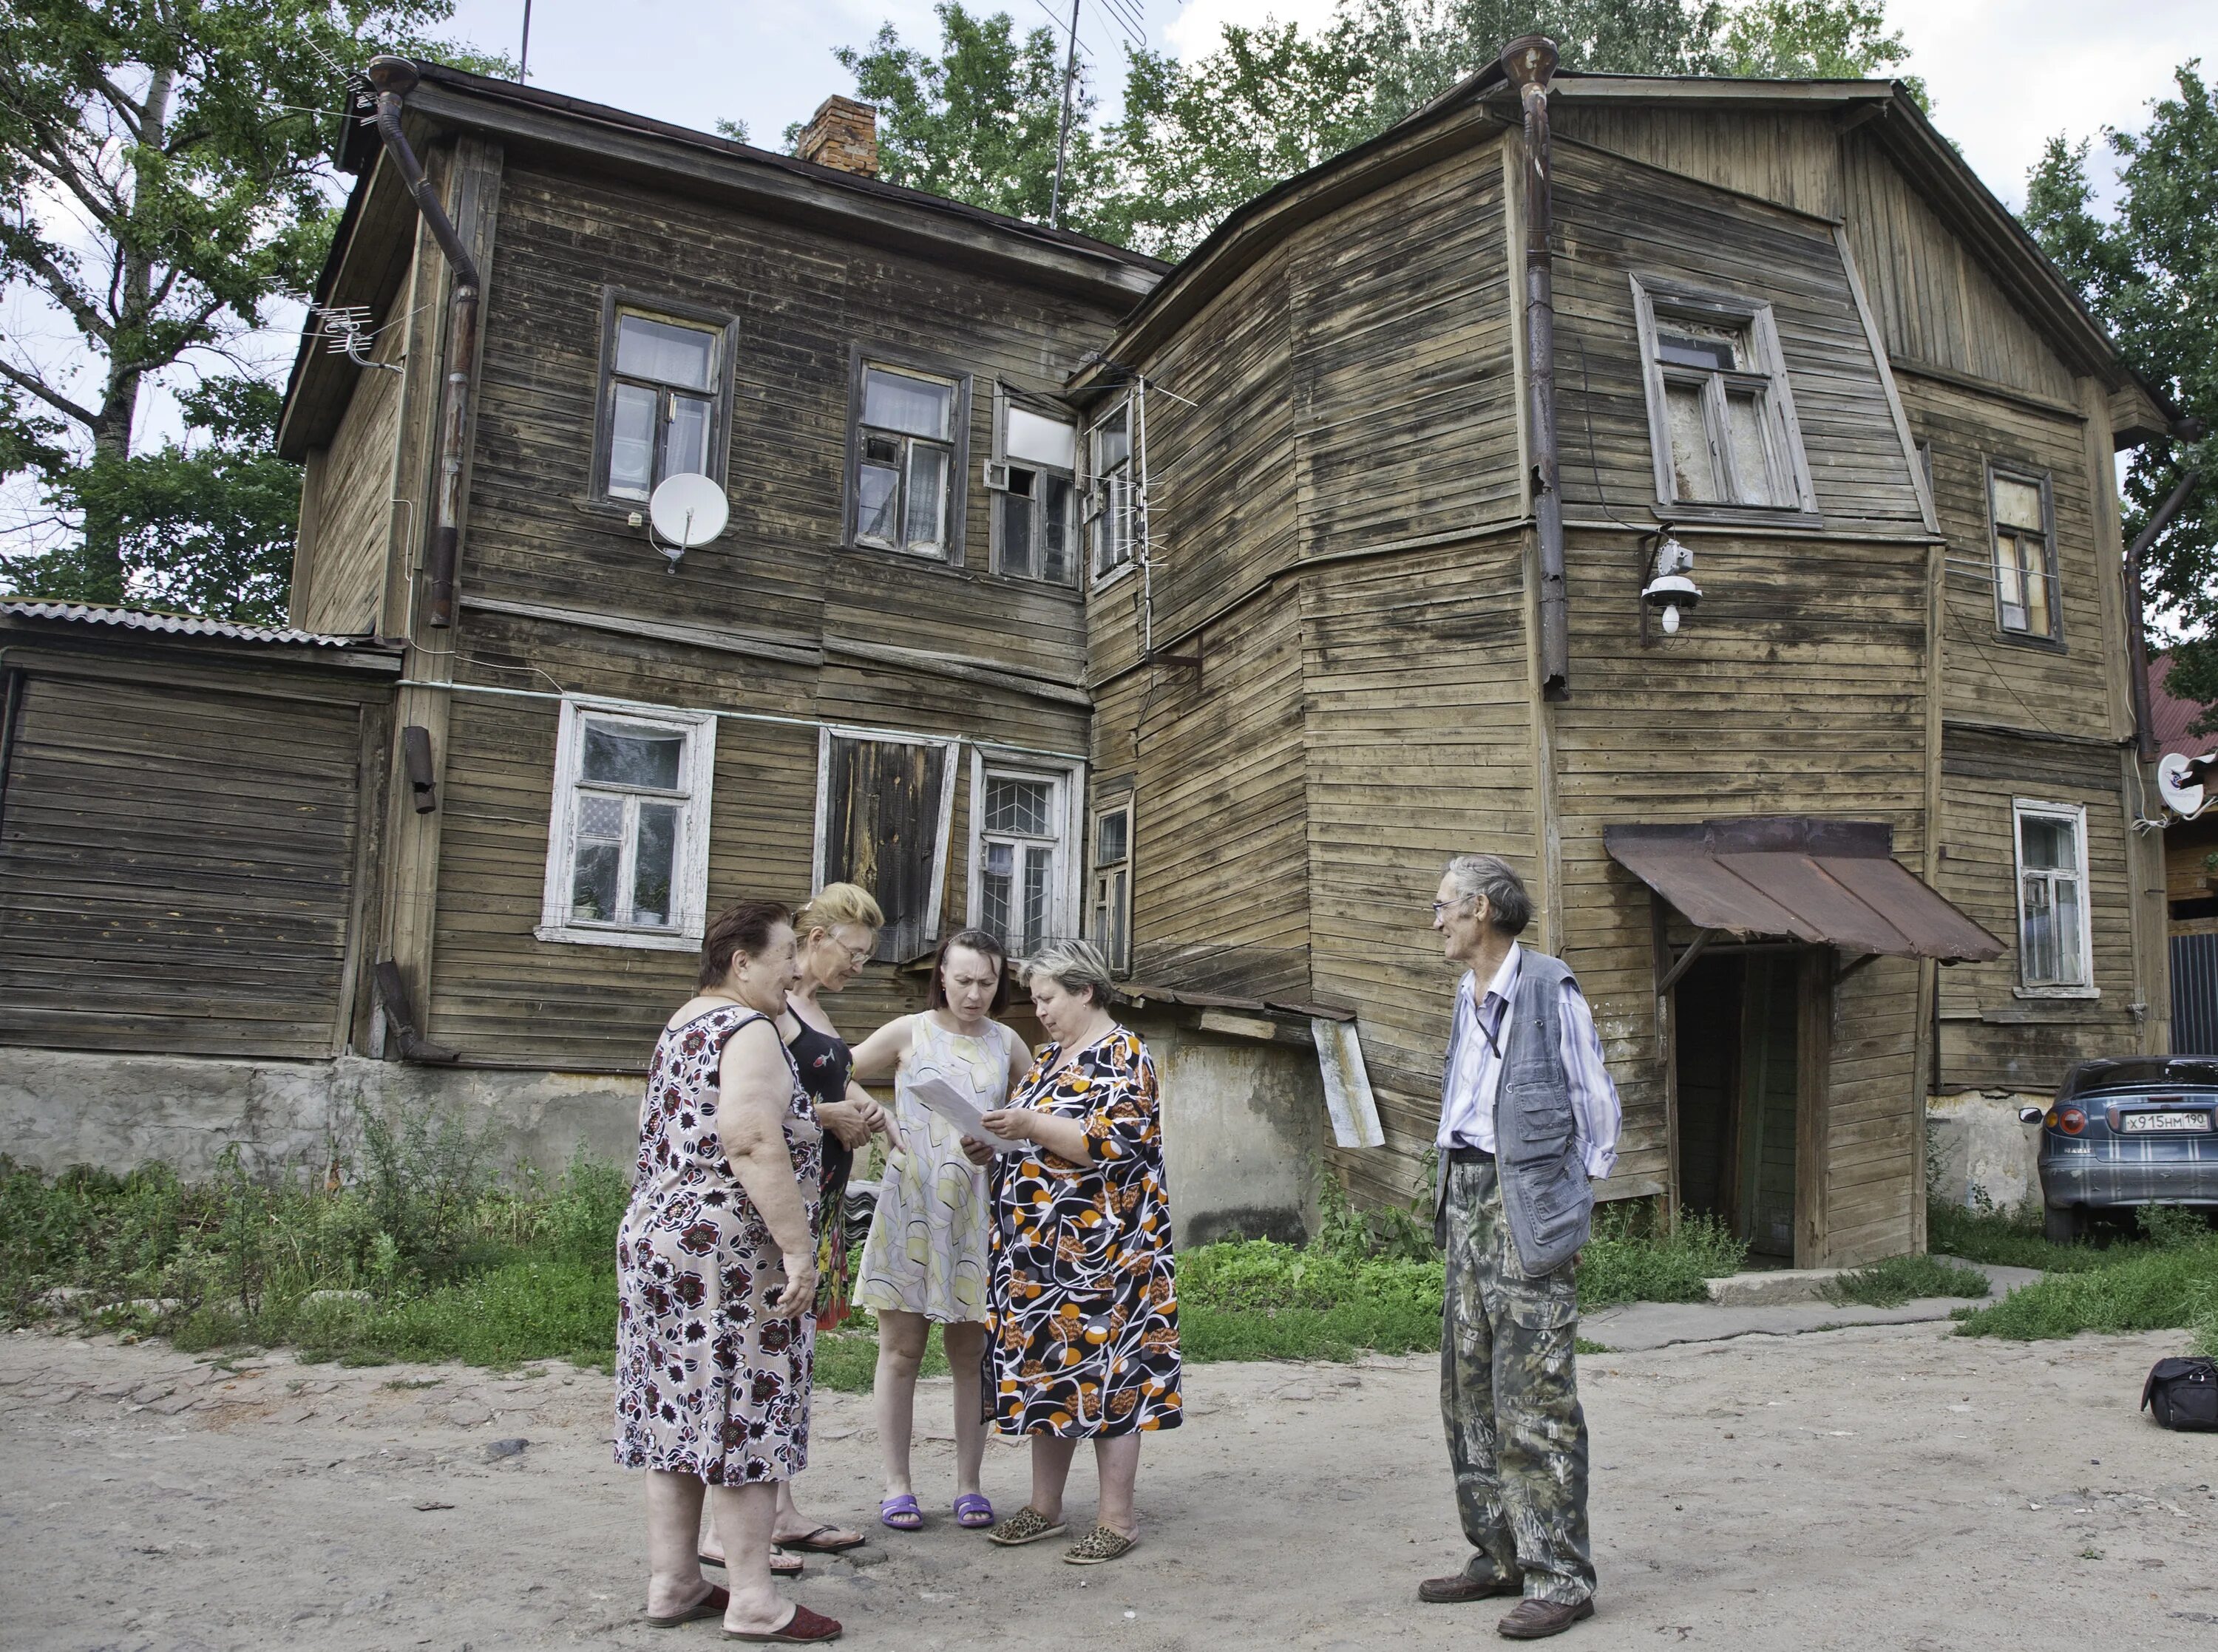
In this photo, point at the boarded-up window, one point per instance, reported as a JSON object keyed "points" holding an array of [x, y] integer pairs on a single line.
{"points": [[881, 822], [176, 868]]}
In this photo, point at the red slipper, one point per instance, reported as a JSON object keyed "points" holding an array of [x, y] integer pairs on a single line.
{"points": [[710, 1605], [804, 1628]]}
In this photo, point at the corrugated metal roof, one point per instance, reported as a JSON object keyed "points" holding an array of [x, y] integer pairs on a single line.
{"points": [[174, 624], [1829, 882], [2170, 718]]}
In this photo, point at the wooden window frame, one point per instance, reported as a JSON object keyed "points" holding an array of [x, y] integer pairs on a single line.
{"points": [[2033, 475], [689, 878], [860, 358], [988, 761], [943, 829], [1093, 508], [997, 486], [616, 301], [1099, 891], [2076, 815], [1782, 426]]}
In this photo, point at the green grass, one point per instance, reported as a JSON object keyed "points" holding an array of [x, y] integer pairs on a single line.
{"points": [[1627, 1261], [2146, 1288], [1900, 1279]]}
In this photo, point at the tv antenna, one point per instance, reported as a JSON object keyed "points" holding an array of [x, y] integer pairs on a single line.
{"points": [[346, 331], [686, 511]]}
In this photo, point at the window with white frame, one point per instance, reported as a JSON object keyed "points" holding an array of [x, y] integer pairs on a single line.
{"points": [[2053, 948], [1110, 509], [1109, 911], [1033, 477], [1023, 849], [2025, 554], [907, 426], [1720, 411], [627, 841], [663, 404]]}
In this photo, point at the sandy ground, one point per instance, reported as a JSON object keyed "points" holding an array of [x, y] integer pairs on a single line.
{"points": [[1884, 1487]]}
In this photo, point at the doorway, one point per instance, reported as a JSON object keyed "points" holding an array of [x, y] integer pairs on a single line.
{"points": [[1737, 1070]]}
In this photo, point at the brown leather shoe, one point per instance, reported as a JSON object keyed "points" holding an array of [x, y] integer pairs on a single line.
{"points": [[1536, 1620], [1454, 1590]]}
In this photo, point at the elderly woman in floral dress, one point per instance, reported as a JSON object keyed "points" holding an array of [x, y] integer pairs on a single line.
{"points": [[715, 1276], [1081, 1297]]}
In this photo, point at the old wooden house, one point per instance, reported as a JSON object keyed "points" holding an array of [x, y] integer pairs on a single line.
{"points": [[1699, 491]]}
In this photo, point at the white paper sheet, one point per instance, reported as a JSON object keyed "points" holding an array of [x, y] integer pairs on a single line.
{"points": [[961, 1111]]}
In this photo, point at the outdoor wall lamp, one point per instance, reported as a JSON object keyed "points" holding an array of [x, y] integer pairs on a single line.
{"points": [[1671, 584]]}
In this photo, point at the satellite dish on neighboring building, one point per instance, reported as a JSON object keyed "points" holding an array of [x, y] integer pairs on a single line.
{"points": [[686, 511], [2179, 781]]}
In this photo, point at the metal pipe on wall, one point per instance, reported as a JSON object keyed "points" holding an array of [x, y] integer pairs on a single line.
{"points": [[1528, 62], [393, 79]]}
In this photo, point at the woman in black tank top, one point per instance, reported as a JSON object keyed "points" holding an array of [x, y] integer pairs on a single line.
{"points": [[826, 1069]]}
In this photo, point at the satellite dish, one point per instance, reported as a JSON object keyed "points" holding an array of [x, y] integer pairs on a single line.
{"points": [[2179, 780], [687, 511]]}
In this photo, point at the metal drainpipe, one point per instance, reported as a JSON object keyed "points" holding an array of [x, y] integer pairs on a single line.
{"points": [[1528, 62], [2136, 625], [393, 79]]}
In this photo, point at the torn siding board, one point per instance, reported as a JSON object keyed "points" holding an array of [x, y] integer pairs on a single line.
{"points": [[1346, 1087]]}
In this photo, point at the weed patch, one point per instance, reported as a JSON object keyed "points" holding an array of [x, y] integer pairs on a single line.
{"points": [[1629, 1260], [1900, 1279], [2145, 1288]]}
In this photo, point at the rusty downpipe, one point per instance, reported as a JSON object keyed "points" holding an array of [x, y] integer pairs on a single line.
{"points": [[1529, 61], [393, 79]]}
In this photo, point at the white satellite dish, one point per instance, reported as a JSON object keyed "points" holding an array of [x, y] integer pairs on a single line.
{"points": [[686, 511], [2179, 780]]}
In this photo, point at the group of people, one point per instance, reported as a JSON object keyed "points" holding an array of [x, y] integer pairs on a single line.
{"points": [[1036, 1234], [1038, 1238]]}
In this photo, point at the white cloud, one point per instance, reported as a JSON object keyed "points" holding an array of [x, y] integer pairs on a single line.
{"points": [[1200, 23]]}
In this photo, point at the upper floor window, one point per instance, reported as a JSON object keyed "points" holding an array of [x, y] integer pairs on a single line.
{"points": [[1720, 412], [1110, 507], [1110, 914], [1033, 474], [2025, 554], [628, 840], [906, 439], [2053, 948], [664, 406]]}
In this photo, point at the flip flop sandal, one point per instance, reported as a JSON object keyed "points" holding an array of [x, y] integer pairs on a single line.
{"points": [[804, 1628], [814, 1543], [1025, 1525], [781, 1564], [902, 1513], [973, 1511], [1100, 1546], [710, 1605]]}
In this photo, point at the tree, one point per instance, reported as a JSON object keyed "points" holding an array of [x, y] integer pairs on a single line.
{"points": [[163, 177], [2149, 270], [1815, 39]]}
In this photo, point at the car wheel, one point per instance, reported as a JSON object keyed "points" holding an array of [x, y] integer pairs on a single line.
{"points": [[2061, 1225]]}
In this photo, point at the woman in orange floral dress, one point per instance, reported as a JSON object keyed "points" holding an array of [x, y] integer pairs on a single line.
{"points": [[1081, 1297]]}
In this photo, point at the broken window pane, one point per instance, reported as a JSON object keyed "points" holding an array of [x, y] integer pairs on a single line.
{"points": [[925, 517], [898, 401], [631, 443], [624, 757], [653, 864], [1694, 472], [666, 352], [877, 492], [1752, 461]]}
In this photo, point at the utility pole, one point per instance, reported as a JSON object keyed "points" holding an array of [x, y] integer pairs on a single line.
{"points": [[524, 52], [1062, 134]]}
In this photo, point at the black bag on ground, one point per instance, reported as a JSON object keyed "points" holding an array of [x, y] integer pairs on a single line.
{"points": [[2183, 1394]]}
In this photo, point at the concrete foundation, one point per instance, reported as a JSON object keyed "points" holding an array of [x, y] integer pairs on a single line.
{"points": [[1244, 1125], [1978, 1148]]}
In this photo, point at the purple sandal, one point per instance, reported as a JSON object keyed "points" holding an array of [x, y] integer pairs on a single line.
{"points": [[902, 1513], [973, 1512]]}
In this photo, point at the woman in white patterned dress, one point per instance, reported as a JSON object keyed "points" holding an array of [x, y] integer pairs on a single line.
{"points": [[925, 1261]]}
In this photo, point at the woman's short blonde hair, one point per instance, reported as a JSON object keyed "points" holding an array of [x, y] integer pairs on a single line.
{"points": [[836, 904], [1074, 965]]}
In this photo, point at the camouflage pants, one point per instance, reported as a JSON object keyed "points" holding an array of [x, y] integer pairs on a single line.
{"points": [[1517, 1438]]}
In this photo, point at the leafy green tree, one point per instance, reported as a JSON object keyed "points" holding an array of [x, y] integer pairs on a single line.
{"points": [[164, 175], [2149, 270], [1814, 39]]}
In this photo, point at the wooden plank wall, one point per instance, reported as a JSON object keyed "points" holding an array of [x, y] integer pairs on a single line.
{"points": [[177, 865], [340, 577], [1780, 155]]}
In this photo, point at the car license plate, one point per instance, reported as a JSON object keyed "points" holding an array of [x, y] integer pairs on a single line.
{"points": [[2149, 1123]]}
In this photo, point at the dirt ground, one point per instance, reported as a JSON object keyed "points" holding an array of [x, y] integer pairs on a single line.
{"points": [[1886, 1487]]}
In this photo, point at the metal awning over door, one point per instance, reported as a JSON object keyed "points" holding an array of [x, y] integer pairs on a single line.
{"points": [[1827, 882]]}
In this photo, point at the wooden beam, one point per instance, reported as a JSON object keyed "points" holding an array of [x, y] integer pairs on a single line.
{"points": [[1686, 961]]}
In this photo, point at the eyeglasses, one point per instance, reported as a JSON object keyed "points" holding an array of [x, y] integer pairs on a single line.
{"points": [[856, 956], [1440, 907]]}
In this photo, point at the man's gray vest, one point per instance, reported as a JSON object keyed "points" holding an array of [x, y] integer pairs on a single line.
{"points": [[1544, 1191]]}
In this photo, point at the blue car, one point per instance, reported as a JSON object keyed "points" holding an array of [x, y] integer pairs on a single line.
{"points": [[2141, 1129]]}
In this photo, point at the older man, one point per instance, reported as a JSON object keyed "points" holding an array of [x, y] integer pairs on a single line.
{"points": [[1528, 1115]]}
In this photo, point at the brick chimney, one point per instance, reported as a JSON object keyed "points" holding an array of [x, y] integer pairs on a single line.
{"points": [[842, 133]]}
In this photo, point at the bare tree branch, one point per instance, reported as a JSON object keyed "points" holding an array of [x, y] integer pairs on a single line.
{"points": [[59, 403]]}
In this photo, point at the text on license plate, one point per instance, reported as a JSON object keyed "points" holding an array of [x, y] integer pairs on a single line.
{"points": [[2142, 1123]]}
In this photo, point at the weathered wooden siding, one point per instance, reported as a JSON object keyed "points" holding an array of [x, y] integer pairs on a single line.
{"points": [[340, 578], [1780, 155], [177, 866], [1934, 302], [1418, 738]]}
